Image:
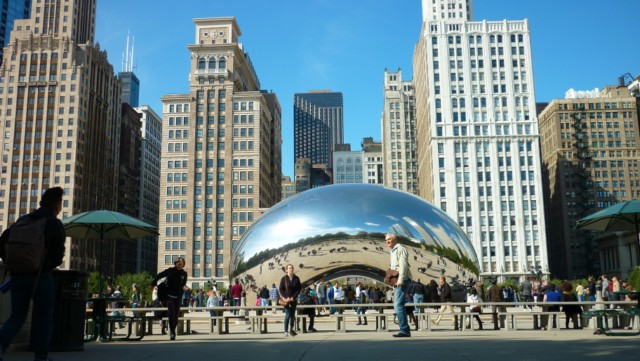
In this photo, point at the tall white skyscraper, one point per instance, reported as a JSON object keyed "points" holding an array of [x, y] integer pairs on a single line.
{"points": [[477, 134]]}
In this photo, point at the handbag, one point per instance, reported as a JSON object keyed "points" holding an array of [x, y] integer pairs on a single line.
{"points": [[282, 301], [391, 277]]}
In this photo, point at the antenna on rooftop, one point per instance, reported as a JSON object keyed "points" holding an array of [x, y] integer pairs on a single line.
{"points": [[127, 56]]}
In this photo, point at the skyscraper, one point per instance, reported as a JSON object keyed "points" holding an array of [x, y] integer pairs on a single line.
{"points": [[61, 118], [130, 83], [220, 164], [399, 133], [477, 134], [590, 146], [317, 125], [10, 11], [149, 201]]}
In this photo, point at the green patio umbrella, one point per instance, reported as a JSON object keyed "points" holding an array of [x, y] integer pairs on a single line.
{"points": [[104, 224], [623, 216]]}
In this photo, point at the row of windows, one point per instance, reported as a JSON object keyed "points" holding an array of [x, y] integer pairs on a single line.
{"points": [[478, 39], [211, 62], [178, 121], [242, 162], [179, 134], [177, 191], [210, 146], [178, 147], [210, 120], [179, 108]]}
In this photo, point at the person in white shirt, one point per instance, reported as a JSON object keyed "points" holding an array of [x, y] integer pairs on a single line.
{"points": [[474, 303], [361, 297], [338, 296]]}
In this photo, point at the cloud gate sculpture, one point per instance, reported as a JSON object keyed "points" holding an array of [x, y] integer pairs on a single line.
{"points": [[338, 230]]}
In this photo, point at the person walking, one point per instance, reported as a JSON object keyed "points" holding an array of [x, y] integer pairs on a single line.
{"points": [[591, 289], [289, 289], [274, 295], [321, 293], [236, 295], [495, 295], [37, 285], [176, 281], [527, 292], [445, 297], [361, 298], [399, 262], [264, 296], [418, 295]]}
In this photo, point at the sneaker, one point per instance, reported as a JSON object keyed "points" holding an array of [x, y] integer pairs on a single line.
{"points": [[286, 334], [294, 333]]}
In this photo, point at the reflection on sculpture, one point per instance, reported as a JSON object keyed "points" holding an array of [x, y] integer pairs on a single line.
{"points": [[338, 230]]}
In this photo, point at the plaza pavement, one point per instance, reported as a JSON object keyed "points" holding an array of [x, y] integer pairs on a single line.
{"points": [[359, 343]]}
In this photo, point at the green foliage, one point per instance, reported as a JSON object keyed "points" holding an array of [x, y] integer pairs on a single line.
{"points": [[143, 280], [634, 278], [94, 287]]}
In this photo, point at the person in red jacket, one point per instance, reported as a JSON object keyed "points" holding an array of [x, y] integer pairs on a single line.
{"points": [[236, 295]]}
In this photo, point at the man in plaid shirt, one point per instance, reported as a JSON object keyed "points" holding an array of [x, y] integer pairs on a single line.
{"points": [[274, 295]]}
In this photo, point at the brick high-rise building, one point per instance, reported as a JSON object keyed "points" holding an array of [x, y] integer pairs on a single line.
{"points": [[477, 134], [220, 164], [590, 145], [60, 121]]}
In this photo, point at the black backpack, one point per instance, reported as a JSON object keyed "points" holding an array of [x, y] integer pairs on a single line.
{"points": [[26, 247]]}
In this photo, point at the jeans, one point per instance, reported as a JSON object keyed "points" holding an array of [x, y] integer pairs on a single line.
{"points": [[581, 298], [22, 288], [398, 306], [331, 309], [236, 302], [289, 317], [417, 298], [264, 302]]}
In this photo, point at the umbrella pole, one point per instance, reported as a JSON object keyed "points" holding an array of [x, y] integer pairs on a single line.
{"points": [[100, 265]]}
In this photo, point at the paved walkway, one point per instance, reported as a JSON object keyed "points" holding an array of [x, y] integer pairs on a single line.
{"points": [[360, 344]]}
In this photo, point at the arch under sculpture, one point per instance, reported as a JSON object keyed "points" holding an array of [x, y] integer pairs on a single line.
{"points": [[338, 230]]}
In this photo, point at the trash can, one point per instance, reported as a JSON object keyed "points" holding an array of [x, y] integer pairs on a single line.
{"points": [[71, 292]]}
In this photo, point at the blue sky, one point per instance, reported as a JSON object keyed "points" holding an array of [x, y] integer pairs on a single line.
{"points": [[345, 45]]}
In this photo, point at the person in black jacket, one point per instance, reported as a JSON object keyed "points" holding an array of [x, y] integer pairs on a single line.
{"points": [[289, 289], [38, 285], [176, 280], [445, 297]]}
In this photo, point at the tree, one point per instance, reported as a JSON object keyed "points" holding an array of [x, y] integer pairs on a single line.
{"points": [[634, 278], [143, 280]]}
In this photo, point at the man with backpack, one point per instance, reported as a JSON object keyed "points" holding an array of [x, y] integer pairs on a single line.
{"points": [[40, 235]]}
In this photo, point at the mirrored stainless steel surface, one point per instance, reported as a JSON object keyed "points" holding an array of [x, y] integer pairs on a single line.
{"points": [[338, 230]]}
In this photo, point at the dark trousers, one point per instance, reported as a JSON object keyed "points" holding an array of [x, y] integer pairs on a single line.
{"points": [[22, 288], [173, 308]]}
